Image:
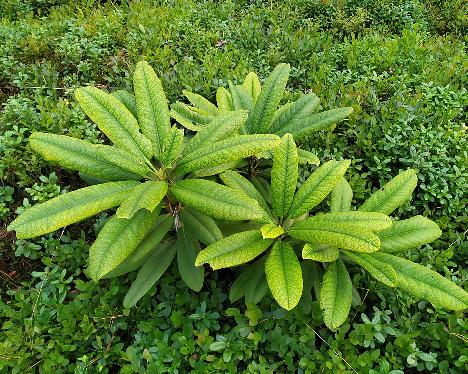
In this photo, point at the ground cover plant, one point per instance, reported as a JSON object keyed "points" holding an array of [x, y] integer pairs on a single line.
{"points": [[399, 65]]}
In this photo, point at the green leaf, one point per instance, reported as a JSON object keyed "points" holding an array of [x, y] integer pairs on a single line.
{"points": [[317, 186], [188, 117], [284, 275], [309, 278], [127, 99], [340, 235], [306, 157], [216, 200], [251, 283], [201, 103], [263, 187], [213, 170], [114, 120], [69, 208], [222, 127], [296, 114], [187, 251], [425, 283], [271, 231], [152, 109], [336, 295], [172, 145], [284, 174], [382, 272], [320, 252], [370, 221], [409, 233], [224, 99], [150, 273], [145, 196], [314, 122], [341, 197], [241, 99], [252, 85], [117, 240], [200, 226], [99, 161], [226, 150], [392, 194], [233, 250], [268, 100]]}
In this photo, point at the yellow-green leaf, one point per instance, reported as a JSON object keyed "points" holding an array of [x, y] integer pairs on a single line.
{"points": [[252, 85], [241, 99], [320, 252], [224, 99], [200, 226], [188, 117], [172, 145], [127, 99], [366, 220], [145, 196], [341, 197], [306, 157], [382, 272], [271, 231], [201, 103]]}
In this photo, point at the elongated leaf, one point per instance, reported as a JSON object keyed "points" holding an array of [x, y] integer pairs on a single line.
{"points": [[142, 252], [284, 174], [152, 109], [309, 274], [223, 126], [295, 113], [200, 226], [251, 283], [226, 150], [117, 240], [370, 221], [150, 273], [337, 234], [317, 186], [88, 158], [341, 197], [213, 170], [306, 126], [201, 103], [409, 233], [425, 283], [252, 85], [229, 228], [187, 117], [145, 196], [382, 272], [336, 295], [224, 99], [127, 99], [187, 251], [263, 187], [69, 208], [271, 231], [241, 99], [268, 100], [284, 275], [233, 250], [392, 194], [172, 145], [306, 157], [320, 252], [216, 200], [114, 120]]}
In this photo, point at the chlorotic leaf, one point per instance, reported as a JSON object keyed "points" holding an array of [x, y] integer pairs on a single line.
{"points": [[224, 99], [320, 252], [341, 197], [366, 220], [172, 145], [233, 250], [425, 283], [145, 196], [271, 231], [188, 117], [336, 295], [150, 273], [200, 226], [317, 186], [69, 208], [284, 275], [216, 200], [201, 103], [392, 194], [306, 157], [127, 99], [383, 272], [187, 251], [252, 85], [409, 233], [213, 170], [241, 99]]}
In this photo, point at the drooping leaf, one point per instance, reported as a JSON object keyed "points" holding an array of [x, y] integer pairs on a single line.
{"points": [[366, 220], [69, 208], [187, 117], [284, 174], [306, 157], [216, 200], [320, 252], [284, 275], [425, 283], [127, 99], [226, 150], [114, 120], [152, 108], [85, 157], [317, 186], [271, 231], [341, 197], [382, 272], [336, 295], [224, 99], [267, 102], [201, 103], [409, 233], [172, 145], [309, 279], [392, 194], [241, 99], [117, 240], [252, 85], [200, 226], [251, 283], [295, 113], [147, 196], [233, 250], [187, 251], [150, 273]]}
